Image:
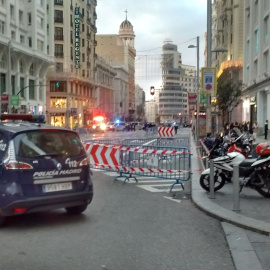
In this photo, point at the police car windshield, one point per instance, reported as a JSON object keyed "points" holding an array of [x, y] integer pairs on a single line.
{"points": [[47, 143]]}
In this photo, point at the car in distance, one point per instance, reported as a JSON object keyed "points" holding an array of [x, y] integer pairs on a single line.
{"points": [[119, 126], [42, 168]]}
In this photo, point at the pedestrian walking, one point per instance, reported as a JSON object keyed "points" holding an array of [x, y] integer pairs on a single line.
{"points": [[265, 129], [255, 127], [175, 127]]}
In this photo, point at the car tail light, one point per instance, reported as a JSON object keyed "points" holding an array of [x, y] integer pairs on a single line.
{"points": [[19, 210], [83, 162], [18, 166]]}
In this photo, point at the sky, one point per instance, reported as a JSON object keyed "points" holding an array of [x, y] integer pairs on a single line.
{"points": [[155, 21]]}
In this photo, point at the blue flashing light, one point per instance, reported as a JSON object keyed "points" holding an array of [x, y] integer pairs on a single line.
{"points": [[117, 121]]}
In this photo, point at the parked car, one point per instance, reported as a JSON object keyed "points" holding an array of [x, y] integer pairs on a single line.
{"points": [[110, 126], [119, 126], [42, 168]]}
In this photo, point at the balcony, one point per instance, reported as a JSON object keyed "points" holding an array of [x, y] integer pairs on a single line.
{"points": [[58, 37], [88, 35], [94, 27], [58, 19], [95, 15], [58, 2], [88, 21], [59, 54], [88, 5]]}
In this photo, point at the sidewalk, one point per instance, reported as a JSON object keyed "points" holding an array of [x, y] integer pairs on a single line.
{"points": [[254, 216]]}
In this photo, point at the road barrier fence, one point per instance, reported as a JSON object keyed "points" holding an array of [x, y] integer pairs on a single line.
{"points": [[156, 157]]}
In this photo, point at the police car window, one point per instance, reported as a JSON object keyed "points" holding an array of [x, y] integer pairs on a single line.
{"points": [[58, 143], [3, 144]]}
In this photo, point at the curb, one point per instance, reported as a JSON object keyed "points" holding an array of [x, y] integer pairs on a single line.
{"points": [[202, 201]]}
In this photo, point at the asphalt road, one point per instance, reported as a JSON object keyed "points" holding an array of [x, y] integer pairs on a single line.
{"points": [[126, 227]]}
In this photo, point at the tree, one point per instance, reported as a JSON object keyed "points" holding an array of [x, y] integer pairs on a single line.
{"points": [[229, 94]]}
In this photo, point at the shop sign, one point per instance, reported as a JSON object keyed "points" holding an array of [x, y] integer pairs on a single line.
{"points": [[4, 99], [192, 98], [77, 36]]}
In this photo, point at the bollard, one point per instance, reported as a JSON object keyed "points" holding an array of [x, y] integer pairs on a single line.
{"points": [[212, 188], [236, 188]]}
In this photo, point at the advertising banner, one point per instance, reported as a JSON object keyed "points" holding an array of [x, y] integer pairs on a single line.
{"points": [[192, 98]]}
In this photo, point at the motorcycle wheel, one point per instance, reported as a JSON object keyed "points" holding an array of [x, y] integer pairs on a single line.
{"points": [[264, 191], [219, 182]]}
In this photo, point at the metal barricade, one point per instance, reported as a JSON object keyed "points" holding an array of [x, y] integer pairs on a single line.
{"points": [[103, 141], [140, 142], [171, 142], [203, 150], [145, 160]]}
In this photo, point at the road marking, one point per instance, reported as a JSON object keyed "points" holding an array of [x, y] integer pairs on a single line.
{"points": [[153, 188], [172, 199]]}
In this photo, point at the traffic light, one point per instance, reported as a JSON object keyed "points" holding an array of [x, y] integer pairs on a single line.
{"points": [[152, 90], [57, 84]]}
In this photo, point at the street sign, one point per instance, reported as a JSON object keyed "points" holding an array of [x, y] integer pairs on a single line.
{"points": [[73, 111], [4, 99], [14, 100], [209, 81]]}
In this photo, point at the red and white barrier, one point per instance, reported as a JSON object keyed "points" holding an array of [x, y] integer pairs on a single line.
{"points": [[140, 170], [166, 131], [138, 150], [103, 155]]}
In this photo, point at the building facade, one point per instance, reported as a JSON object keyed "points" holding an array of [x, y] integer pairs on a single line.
{"points": [[139, 103], [227, 43], [173, 98], [121, 94], [256, 71], [151, 111], [119, 50], [72, 87], [24, 57], [105, 92]]}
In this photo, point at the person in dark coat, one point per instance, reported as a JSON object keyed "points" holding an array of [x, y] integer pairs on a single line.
{"points": [[265, 129]]}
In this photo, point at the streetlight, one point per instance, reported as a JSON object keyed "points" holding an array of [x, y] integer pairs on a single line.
{"points": [[197, 88]]}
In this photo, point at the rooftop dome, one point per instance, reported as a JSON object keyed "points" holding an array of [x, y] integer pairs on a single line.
{"points": [[125, 24]]}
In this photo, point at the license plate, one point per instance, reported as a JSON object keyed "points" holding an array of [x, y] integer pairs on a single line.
{"points": [[57, 187]]}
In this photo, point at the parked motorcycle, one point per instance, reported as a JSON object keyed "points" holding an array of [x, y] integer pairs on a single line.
{"points": [[254, 173], [242, 144]]}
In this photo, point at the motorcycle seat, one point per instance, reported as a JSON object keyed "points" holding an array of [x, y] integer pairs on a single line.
{"points": [[247, 162]]}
